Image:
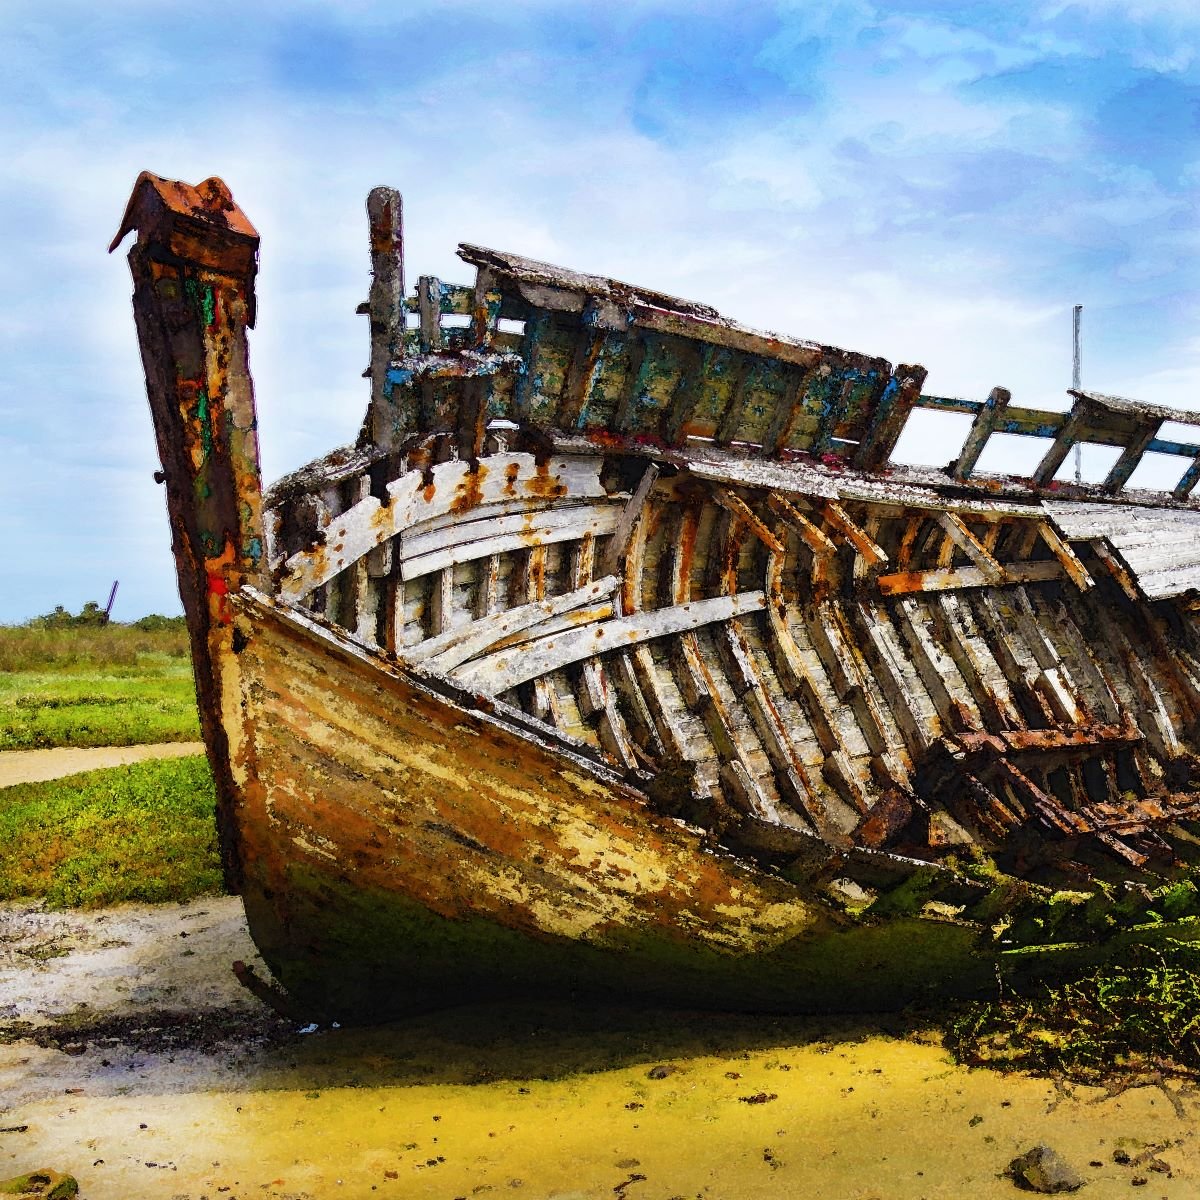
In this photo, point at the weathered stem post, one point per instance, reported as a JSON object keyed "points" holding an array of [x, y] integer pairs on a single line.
{"points": [[193, 267]]}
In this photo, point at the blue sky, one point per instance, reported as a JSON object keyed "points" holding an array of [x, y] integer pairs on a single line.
{"points": [[933, 182]]}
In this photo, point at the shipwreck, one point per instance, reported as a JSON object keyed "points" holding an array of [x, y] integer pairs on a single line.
{"points": [[617, 656]]}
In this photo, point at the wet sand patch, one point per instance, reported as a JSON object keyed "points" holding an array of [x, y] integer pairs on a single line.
{"points": [[174, 1081]]}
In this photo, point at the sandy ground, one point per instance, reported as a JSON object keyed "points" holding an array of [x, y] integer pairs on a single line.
{"points": [[131, 1057], [33, 766]]}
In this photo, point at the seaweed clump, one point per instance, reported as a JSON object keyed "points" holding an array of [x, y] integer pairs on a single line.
{"points": [[1137, 1016]]}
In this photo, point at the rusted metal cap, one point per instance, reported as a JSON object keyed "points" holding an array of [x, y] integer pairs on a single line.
{"points": [[201, 223]]}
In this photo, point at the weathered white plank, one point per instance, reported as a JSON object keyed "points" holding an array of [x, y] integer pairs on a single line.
{"points": [[478, 539], [959, 578], [459, 645], [453, 490], [498, 672]]}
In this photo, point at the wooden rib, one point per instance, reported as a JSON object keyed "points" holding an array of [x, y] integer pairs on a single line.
{"points": [[628, 521], [587, 357], [524, 395], [744, 513], [731, 418], [429, 307], [457, 646], [891, 415], [386, 308], [1187, 482], [784, 417], [811, 535], [694, 366], [880, 640], [702, 697], [596, 700], [1058, 546], [487, 600], [1125, 466], [637, 674], [957, 531], [961, 578], [499, 672], [912, 527], [838, 654], [441, 601], [934, 666], [1061, 446], [838, 519], [977, 665], [790, 775], [1105, 553], [981, 429], [501, 485], [635, 707]]}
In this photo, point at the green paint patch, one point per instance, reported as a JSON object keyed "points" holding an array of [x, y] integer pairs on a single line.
{"points": [[111, 685], [143, 832]]}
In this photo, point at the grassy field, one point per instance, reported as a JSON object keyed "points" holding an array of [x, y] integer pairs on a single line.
{"points": [[110, 685], [141, 832]]}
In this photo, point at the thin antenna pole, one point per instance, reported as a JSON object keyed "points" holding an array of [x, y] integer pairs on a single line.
{"points": [[1076, 365]]}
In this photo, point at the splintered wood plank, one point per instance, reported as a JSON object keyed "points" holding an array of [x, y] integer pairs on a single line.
{"points": [[841, 522], [499, 672], [791, 778], [444, 652], [736, 506], [809, 533], [700, 691], [956, 530]]}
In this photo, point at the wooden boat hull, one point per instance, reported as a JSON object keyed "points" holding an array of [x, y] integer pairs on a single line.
{"points": [[401, 852], [685, 692]]}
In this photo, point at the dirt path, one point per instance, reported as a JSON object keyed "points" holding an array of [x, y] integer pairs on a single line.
{"points": [[34, 766]]}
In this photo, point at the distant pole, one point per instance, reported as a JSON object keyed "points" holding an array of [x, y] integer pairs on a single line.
{"points": [[111, 597], [1076, 365]]}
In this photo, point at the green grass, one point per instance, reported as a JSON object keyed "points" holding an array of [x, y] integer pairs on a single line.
{"points": [[113, 685], [142, 832]]}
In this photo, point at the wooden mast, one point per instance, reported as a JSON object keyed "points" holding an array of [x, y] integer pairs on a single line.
{"points": [[193, 267]]}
